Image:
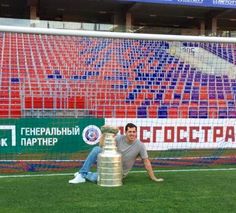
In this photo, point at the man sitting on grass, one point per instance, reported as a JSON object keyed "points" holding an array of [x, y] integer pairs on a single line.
{"points": [[129, 146]]}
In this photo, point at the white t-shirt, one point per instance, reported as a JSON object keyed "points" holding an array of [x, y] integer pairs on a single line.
{"points": [[130, 152]]}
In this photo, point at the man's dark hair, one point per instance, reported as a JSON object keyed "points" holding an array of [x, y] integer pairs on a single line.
{"points": [[130, 125]]}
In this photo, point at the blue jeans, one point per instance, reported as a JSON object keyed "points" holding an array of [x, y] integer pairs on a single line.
{"points": [[88, 163]]}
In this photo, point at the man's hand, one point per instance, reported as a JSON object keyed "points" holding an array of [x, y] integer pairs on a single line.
{"points": [[148, 167], [157, 179]]}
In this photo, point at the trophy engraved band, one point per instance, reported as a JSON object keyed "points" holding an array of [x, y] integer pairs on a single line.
{"points": [[109, 160]]}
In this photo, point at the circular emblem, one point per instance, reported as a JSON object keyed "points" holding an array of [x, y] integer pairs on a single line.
{"points": [[91, 134]]}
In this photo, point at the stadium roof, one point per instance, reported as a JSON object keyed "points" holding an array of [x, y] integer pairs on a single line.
{"points": [[105, 11]]}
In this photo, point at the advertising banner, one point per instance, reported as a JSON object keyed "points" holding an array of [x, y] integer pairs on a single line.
{"points": [[38, 135], [199, 3], [167, 134], [32, 135]]}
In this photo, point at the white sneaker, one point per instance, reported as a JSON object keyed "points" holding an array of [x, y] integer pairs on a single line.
{"points": [[78, 179], [75, 174]]}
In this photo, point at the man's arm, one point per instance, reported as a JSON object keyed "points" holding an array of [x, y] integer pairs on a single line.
{"points": [[148, 167]]}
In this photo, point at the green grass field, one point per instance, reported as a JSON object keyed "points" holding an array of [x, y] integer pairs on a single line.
{"points": [[187, 191]]}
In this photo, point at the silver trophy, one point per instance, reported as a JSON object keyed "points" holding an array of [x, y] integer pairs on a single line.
{"points": [[109, 160]]}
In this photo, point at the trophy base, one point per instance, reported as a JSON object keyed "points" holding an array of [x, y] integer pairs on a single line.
{"points": [[110, 183]]}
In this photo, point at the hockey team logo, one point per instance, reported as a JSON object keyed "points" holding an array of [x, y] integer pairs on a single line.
{"points": [[91, 134], [6, 140]]}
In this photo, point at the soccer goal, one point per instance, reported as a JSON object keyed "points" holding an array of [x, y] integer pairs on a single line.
{"points": [[58, 87]]}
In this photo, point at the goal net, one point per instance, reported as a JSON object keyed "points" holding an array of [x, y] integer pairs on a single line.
{"points": [[58, 87]]}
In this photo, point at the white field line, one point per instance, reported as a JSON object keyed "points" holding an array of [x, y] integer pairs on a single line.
{"points": [[164, 158], [143, 171]]}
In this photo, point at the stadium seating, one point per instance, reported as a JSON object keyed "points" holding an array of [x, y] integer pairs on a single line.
{"points": [[110, 78], [225, 51]]}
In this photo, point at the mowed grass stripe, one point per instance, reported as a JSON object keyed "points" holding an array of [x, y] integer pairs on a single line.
{"points": [[139, 171]]}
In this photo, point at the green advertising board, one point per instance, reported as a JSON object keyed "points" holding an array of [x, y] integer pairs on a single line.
{"points": [[39, 135]]}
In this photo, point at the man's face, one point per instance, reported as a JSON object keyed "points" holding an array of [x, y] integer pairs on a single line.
{"points": [[131, 134]]}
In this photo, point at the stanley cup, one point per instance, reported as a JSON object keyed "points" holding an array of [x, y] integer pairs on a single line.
{"points": [[109, 160]]}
